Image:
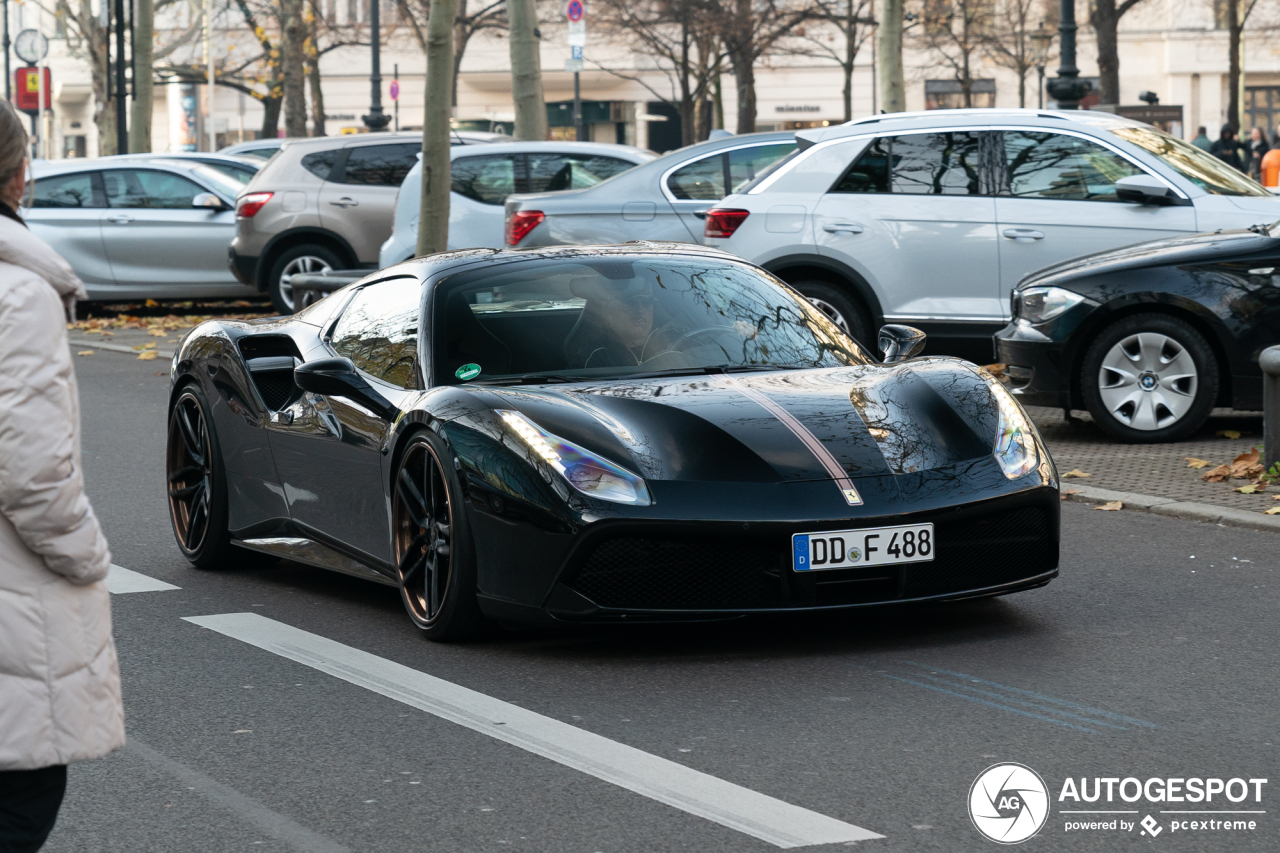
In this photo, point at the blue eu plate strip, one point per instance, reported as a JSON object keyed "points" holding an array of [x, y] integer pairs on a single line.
{"points": [[800, 544]]}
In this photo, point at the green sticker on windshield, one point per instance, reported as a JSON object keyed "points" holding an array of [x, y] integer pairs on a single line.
{"points": [[467, 372]]}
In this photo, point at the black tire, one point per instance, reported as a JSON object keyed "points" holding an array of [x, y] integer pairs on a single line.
{"points": [[314, 258], [845, 310], [1168, 401], [431, 540], [196, 482]]}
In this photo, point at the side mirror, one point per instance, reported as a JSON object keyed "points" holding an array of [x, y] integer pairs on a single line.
{"points": [[338, 377], [1144, 189], [898, 343], [210, 201]]}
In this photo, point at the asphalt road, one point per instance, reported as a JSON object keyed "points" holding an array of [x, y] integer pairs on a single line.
{"points": [[1139, 661]]}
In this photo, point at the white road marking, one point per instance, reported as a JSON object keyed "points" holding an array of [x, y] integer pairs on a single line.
{"points": [[121, 580], [755, 814]]}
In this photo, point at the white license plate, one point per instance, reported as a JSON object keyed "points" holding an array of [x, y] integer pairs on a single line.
{"points": [[870, 546]]}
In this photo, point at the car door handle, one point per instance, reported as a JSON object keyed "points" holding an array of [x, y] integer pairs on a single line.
{"points": [[119, 218], [1023, 235], [345, 202], [842, 227]]}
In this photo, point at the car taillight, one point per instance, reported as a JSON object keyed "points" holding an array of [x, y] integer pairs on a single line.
{"points": [[520, 223], [247, 206], [722, 223]]}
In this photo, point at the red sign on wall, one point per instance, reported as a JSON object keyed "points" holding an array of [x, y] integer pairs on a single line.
{"points": [[26, 89]]}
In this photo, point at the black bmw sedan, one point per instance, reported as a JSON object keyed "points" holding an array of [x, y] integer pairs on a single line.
{"points": [[1148, 338], [637, 432]]}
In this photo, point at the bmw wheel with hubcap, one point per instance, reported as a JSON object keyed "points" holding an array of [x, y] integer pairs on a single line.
{"points": [[432, 543], [1150, 378], [300, 260]]}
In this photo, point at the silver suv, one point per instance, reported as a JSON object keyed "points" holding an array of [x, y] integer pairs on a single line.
{"points": [[932, 218], [322, 204]]}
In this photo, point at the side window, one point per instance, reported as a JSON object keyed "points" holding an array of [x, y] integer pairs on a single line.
{"points": [[701, 180], [488, 178], [381, 165], [321, 163], [1050, 165], [550, 172], [378, 331], [66, 191], [918, 164], [142, 188], [746, 164]]}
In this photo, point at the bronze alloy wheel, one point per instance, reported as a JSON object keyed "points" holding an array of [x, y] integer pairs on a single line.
{"points": [[422, 513], [189, 464]]}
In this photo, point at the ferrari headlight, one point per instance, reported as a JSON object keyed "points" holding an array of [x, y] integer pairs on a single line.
{"points": [[1041, 304], [1015, 448], [582, 469]]}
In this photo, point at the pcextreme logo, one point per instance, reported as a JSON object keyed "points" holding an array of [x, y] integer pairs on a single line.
{"points": [[1008, 803]]}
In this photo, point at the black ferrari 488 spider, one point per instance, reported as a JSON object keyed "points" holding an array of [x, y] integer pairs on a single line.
{"points": [[607, 434]]}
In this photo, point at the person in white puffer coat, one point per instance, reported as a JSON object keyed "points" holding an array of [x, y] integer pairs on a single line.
{"points": [[59, 680]]}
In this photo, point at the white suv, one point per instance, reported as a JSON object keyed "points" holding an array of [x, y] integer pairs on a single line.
{"points": [[932, 218]]}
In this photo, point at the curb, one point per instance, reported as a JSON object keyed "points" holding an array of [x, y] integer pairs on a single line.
{"points": [[1176, 509], [160, 353]]}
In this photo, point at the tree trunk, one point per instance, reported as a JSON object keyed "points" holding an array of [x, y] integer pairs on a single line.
{"points": [[717, 97], [893, 90], [526, 70], [270, 118], [433, 215], [460, 38], [850, 28], [317, 97], [104, 113], [292, 60], [1105, 21], [1022, 89], [742, 57], [1235, 28], [143, 93]]}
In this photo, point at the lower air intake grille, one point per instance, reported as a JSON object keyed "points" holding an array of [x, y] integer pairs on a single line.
{"points": [[985, 551], [664, 573]]}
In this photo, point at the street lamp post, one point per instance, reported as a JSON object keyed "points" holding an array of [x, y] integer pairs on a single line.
{"points": [[376, 120], [1041, 40], [1067, 88]]}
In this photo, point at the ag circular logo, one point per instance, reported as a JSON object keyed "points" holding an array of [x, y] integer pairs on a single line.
{"points": [[1008, 803]]}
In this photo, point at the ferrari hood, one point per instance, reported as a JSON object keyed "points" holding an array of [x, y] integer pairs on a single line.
{"points": [[836, 424]]}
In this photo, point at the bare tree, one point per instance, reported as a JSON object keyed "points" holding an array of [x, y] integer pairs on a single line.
{"points": [[844, 26], [292, 66], [750, 29], [1009, 43], [893, 89], [433, 216], [472, 17], [955, 33], [1105, 20], [143, 95], [681, 38], [526, 70], [1237, 12]]}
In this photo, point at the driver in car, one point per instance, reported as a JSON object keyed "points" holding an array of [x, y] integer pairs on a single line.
{"points": [[617, 325]]}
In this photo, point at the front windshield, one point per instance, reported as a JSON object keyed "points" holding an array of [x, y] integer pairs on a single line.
{"points": [[225, 184], [1201, 168], [615, 316]]}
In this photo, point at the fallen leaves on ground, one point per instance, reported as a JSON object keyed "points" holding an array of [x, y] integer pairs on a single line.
{"points": [[1218, 475], [85, 352], [157, 332], [1252, 488], [146, 346], [147, 355], [1275, 510], [1247, 466], [1193, 462], [1110, 506], [1066, 492], [1228, 433], [1075, 473], [996, 370]]}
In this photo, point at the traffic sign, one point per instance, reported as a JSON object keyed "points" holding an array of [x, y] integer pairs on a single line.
{"points": [[573, 65], [574, 10], [28, 89], [575, 52], [395, 90]]}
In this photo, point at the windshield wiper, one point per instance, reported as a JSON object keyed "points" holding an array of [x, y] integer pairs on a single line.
{"points": [[531, 379], [710, 370]]}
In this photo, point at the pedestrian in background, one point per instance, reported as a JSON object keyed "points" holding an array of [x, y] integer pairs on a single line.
{"points": [[1202, 139], [1227, 149], [1257, 149], [59, 681]]}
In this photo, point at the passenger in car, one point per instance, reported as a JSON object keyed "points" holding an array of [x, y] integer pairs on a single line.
{"points": [[617, 327]]}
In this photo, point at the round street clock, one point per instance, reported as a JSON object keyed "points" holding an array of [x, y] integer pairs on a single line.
{"points": [[31, 46]]}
